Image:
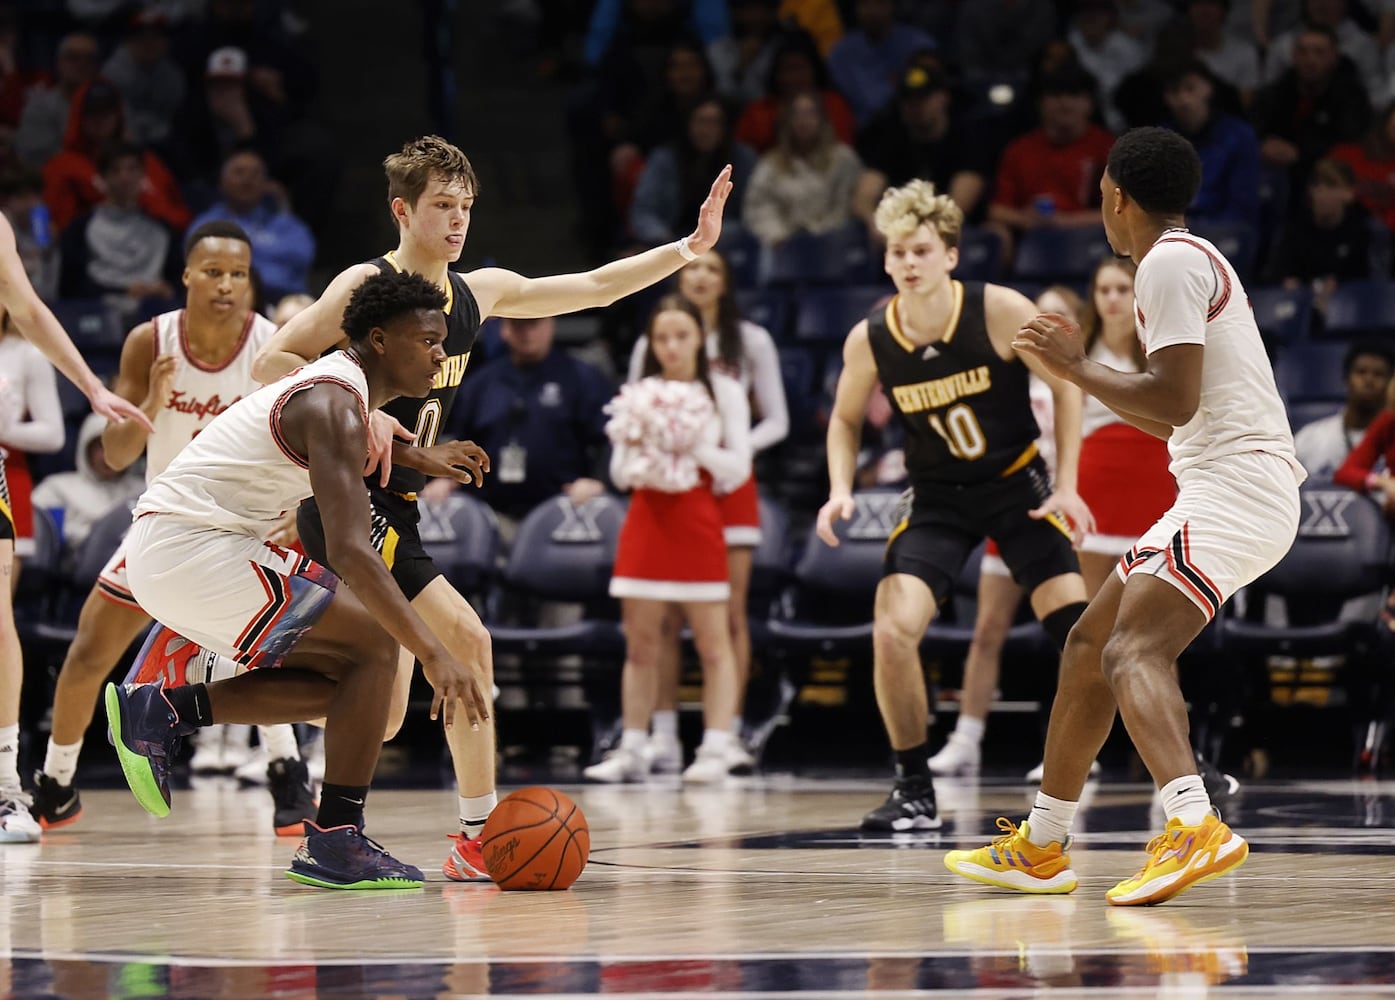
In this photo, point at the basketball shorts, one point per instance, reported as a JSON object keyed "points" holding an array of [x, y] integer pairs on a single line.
{"points": [[236, 595], [944, 522], [396, 535], [1232, 522], [7, 517], [112, 583]]}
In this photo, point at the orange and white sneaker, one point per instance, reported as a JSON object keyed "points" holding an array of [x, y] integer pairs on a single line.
{"points": [[163, 658], [465, 863], [1180, 857], [1014, 862]]}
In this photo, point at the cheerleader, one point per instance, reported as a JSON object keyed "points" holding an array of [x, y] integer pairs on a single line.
{"points": [[746, 352], [31, 421], [681, 435]]}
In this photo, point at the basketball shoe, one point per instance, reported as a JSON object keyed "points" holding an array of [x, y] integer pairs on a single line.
{"points": [[1014, 862], [664, 754], [465, 863], [957, 757], [910, 806], [620, 764], [55, 805], [164, 656], [289, 783], [147, 734], [343, 857], [17, 824], [1180, 857]]}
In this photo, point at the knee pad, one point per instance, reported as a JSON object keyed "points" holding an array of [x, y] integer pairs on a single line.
{"points": [[1059, 622]]}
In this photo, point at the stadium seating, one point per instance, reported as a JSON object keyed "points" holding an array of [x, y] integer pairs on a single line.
{"points": [[1284, 315], [1361, 308], [1065, 255]]}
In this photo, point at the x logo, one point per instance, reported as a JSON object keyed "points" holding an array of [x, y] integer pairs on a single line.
{"points": [[874, 516], [578, 523], [1325, 514]]}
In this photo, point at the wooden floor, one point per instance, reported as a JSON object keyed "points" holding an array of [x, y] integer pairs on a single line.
{"points": [[763, 888]]}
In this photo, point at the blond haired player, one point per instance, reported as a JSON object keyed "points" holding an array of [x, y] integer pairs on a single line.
{"points": [[942, 350]]}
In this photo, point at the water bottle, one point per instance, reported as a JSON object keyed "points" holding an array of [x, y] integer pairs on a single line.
{"points": [[39, 226], [1045, 205]]}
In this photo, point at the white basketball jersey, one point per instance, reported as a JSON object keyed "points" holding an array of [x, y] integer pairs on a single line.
{"points": [[1186, 292], [200, 391], [239, 474]]}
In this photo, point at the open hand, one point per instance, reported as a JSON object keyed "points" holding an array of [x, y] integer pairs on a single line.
{"points": [[463, 461], [453, 682], [709, 224], [116, 409]]}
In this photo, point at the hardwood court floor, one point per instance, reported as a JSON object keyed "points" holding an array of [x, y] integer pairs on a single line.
{"points": [[763, 888]]}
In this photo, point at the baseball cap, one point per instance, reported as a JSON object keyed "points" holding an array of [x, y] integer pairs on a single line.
{"points": [[229, 61], [918, 80]]}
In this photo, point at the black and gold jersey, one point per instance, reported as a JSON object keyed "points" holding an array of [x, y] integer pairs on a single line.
{"points": [[967, 412]]}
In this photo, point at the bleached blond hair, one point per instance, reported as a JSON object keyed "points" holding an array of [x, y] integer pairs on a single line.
{"points": [[904, 209]]}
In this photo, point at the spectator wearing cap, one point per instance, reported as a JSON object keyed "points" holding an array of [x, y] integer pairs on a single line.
{"points": [[1104, 51], [150, 82], [117, 248], [1050, 176], [867, 62], [71, 181], [1227, 145], [918, 135], [44, 121], [282, 245]]}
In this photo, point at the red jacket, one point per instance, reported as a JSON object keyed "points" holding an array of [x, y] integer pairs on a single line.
{"points": [[1377, 442], [71, 180]]}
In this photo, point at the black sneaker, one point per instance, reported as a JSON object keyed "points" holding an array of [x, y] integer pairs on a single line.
{"points": [[288, 780], [343, 858], [910, 806], [1219, 785], [54, 805]]}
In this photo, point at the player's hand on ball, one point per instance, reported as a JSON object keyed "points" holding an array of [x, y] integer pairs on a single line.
{"points": [[1053, 340], [453, 683]]}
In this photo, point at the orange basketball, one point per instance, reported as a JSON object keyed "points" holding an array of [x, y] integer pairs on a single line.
{"points": [[537, 838]]}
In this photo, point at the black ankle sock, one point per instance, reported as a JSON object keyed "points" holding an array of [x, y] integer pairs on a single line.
{"points": [[192, 704], [341, 805], [913, 763]]}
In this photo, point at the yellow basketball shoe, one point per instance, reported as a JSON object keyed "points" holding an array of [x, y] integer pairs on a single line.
{"points": [[1014, 862], [1180, 857]]}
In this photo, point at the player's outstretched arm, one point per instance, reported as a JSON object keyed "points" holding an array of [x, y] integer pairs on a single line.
{"points": [[855, 387], [41, 328], [313, 330], [500, 292], [324, 424]]}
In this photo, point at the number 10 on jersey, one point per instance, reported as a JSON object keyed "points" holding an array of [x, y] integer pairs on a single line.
{"points": [[961, 432]]}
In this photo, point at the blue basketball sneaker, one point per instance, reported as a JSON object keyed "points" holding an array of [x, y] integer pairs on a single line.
{"points": [[343, 857], [147, 734]]}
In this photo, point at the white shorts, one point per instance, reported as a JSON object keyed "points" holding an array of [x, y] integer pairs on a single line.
{"points": [[112, 583], [236, 595], [1232, 522]]}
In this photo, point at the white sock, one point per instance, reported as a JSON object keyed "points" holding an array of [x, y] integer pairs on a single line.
{"points": [[474, 811], [634, 740], [9, 758], [1050, 820], [665, 723], [718, 739], [222, 668], [968, 730], [1185, 798], [279, 741], [60, 762]]}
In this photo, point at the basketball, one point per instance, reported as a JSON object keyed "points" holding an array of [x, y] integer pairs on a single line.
{"points": [[537, 838]]}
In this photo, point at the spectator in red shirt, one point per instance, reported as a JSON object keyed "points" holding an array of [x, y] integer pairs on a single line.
{"points": [[96, 124], [797, 68], [1359, 470], [1050, 176], [1372, 162]]}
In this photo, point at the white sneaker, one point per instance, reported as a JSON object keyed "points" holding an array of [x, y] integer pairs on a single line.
{"points": [[957, 757], [253, 770], [739, 759], [618, 766], [664, 754], [313, 753], [708, 767], [17, 826], [237, 745], [1035, 774], [208, 752]]}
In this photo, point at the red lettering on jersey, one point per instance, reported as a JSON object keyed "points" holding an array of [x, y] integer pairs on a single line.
{"points": [[182, 402]]}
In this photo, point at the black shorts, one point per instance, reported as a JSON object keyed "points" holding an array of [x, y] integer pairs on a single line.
{"points": [[944, 523], [396, 535], [7, 516]]}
